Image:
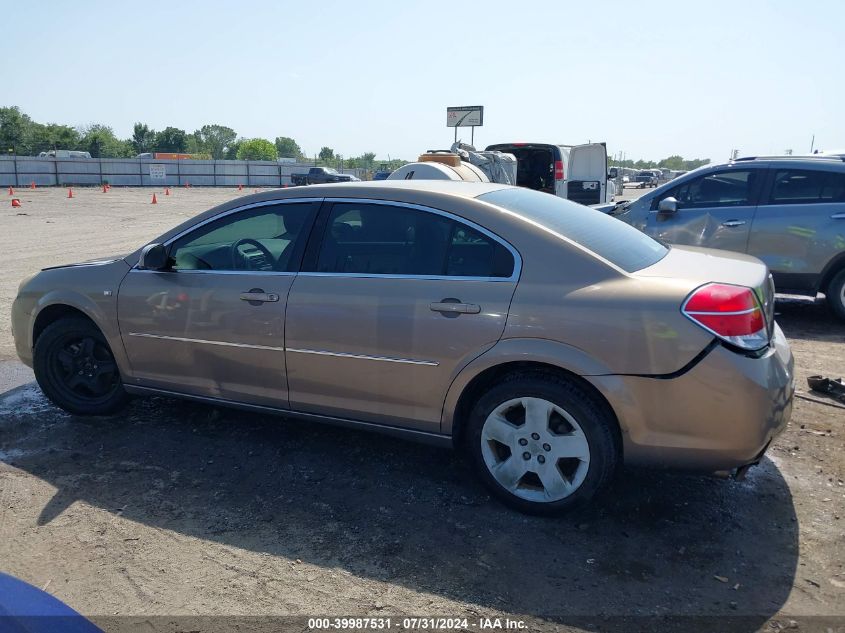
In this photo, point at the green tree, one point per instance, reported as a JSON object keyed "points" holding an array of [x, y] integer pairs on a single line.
{"points": [[368, 158], [143, 138], [695, 163], [15, 130], [214, 140], [326, 154], [257, 149], [52, 136], [288, 148], [171, 139], [232, 151], [101, 142]]}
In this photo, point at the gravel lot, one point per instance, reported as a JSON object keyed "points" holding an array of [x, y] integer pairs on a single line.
{"points": [[180, 509]]}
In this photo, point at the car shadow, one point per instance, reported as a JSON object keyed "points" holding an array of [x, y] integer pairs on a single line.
{"points": [[808, 319], [656, 544]]}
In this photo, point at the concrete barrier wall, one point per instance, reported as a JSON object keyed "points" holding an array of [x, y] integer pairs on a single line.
{"points": [[20, 171]]}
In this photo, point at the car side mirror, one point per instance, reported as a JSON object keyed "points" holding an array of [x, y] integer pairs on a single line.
{"points": [[153, 257], [668, 205]]}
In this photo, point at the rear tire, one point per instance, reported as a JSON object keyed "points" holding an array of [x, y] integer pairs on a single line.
{"points": [[836, 295], [76, 370], [543, 444]]}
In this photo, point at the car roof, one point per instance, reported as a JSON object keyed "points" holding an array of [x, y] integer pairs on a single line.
{"points": [[813, 160]]}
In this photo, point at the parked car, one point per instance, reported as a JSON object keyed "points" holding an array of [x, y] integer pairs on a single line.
{"points": [[645, 179], [574, 172], [382, 174], [787, 211], [321, 175], [548, 340], [25, 608]]}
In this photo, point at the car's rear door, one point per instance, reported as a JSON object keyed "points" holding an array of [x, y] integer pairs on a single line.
{"points": [[586, 173], [394, 300], [715, 210], [213, 323], [799, 226]]}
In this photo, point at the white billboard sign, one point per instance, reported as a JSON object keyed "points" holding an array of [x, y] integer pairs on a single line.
{"points": [[158, 172], [465, 116]]}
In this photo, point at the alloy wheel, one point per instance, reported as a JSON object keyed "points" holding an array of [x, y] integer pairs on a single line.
{"points": [[535, 449]]}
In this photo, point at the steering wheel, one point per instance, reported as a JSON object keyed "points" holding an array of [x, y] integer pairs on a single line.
{"points": [[241, 261]]}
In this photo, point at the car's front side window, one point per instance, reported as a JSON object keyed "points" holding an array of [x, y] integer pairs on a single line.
{"points": [[806, 186], [720, 189], [267, 238], [378, 239]]}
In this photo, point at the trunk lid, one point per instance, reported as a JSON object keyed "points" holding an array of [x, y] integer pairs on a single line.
{"points": [[699, 266]]}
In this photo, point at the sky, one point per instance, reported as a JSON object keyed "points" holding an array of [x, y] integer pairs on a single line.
{"points": [[650, 78]]}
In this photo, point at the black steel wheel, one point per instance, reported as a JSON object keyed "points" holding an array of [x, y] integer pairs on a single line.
{"points": [[76, 370]]}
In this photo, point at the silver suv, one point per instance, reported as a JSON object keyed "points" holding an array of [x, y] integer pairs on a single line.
{"points": [[787, 211]]}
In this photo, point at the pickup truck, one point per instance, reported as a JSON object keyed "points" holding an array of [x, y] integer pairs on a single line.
{"points": [[644, 179], [321, 175]]}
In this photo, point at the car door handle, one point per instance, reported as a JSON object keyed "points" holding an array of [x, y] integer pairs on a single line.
{"points": [[733, 223], [838, 216], [455, 307], [259, 296]]}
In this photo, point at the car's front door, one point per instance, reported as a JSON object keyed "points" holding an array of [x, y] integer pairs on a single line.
{"points": [[397, 299], [212, 324], [715, 210]]}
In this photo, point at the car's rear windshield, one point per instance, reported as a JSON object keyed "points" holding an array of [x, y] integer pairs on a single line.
{"points": [[612, 239]]}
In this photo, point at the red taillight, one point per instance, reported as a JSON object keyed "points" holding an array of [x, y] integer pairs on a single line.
{"points": [[732, 313], [558, 170]]}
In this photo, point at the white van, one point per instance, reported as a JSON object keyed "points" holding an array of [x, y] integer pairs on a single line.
{"points": [[575, 172]]}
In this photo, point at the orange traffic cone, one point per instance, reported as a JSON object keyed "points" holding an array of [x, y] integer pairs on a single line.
{"points": [[240, 187], [69, 192], [154, 200], [167, 191], [32, 185], [11, 191], [16, 202]]}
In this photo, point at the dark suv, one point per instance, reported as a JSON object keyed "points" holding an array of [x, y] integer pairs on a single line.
{"points": [[787, 211]]}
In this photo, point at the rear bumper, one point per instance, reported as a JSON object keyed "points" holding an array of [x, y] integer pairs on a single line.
{"points": [[719, 415]]}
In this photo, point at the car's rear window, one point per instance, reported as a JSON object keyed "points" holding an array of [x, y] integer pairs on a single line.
{"points": [[612, 239]]}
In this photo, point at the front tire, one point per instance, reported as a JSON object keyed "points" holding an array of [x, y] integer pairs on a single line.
{"points": [[836, 295], [543, 444], [76, 370]]}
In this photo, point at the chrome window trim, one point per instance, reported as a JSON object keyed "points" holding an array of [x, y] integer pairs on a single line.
{"points": [[398, 276], [284, 273], [387, 359], [517, 266], [517, 258], [246, 207], [206, 342]]}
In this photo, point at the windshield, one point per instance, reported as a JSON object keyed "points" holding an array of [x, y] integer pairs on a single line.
{"points": [[617, 242]]}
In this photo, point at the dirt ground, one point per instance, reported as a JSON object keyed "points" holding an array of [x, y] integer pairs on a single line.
{"points": [[176, 509]]}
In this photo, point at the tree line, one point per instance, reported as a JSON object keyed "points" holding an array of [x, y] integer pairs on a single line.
{"points": [[675, 163], [19, 134]]}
